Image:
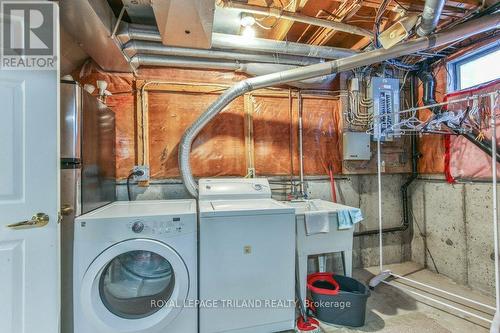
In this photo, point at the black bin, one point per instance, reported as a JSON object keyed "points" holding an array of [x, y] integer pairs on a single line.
{"points": [[338, 299]]}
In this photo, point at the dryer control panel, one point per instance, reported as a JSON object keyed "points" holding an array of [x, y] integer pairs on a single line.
{"points": [[160, 226], [234, 188], [156, 219]]}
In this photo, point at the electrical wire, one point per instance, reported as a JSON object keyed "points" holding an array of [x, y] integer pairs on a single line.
{"points": [[128, 185], [133, 173]]}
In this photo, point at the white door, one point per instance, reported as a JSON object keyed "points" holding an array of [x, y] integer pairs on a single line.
{"points": [[29, 184]]}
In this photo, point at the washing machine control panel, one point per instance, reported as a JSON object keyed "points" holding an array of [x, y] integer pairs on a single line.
{"points": [[158, 226], [138, 227]]}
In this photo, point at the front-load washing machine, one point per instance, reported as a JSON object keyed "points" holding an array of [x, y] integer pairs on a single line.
{"points": [[135, 268]]}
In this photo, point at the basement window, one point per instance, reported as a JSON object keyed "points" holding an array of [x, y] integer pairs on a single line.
{"points": [[476, 68]]}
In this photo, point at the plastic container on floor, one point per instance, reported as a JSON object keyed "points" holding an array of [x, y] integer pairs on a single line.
{"points": [[338, 299]]}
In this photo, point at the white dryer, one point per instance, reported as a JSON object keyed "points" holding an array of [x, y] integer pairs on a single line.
{"points": [[247, 258], [135, 268]]}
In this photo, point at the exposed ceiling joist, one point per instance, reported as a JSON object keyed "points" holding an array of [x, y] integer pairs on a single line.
{"points": [[346, 10], [280, 31], [415, 5]]}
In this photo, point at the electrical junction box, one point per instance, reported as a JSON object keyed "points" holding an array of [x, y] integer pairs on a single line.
{"points": [[385, 95], [356, 146], [145, 173]]}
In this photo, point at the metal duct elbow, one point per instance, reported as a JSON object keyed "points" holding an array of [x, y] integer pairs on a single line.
{"points": [[258, 69], [430, 16], [429, 89]]}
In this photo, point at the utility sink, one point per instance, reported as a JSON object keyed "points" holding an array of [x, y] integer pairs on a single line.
{"points": [[335, 240]]}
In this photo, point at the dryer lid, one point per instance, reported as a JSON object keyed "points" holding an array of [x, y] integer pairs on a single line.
{"points": [[234, 188]]}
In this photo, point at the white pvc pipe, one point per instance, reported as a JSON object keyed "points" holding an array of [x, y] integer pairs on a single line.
{"points": [[438, 302], [379, 180], [494, 195], [443, 291], [301, 145]]}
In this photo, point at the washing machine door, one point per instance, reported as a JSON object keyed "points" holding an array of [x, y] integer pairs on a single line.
{"points": [[135, 286]]}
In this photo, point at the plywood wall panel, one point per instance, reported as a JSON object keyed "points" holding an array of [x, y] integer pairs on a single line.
{"points": [[272, 131], [271, 128], [123, 106], [322, 146], [217, 151]]}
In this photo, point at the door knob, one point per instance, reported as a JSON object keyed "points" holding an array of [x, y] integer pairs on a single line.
{"points": [[66, 210], [38, 220]]}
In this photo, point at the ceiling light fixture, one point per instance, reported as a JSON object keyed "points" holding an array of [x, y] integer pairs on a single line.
{"points": [[247, 20], [248, 32]]}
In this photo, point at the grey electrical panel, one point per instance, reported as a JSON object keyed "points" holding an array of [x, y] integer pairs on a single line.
{"points": [[385, 95], [356, 146]]}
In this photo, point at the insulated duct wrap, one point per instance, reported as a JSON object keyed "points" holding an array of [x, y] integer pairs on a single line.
{"points": [[430, 16], [462, 31], [133, 32]]}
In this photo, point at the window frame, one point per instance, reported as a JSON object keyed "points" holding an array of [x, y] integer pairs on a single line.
{"points": [[454, 65]]}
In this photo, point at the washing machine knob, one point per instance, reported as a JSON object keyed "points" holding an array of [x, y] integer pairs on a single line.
{"points": [[138, 227], [257, 187]]}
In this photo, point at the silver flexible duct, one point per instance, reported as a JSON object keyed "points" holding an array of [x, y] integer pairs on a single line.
{"points": [[253, 69], [235, 42], [183, 62], [430, 16], [462, 31], [134, 47], [130, 32]]}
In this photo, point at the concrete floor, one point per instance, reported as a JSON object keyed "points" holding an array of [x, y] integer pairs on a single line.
{"points": [[390, 309]]}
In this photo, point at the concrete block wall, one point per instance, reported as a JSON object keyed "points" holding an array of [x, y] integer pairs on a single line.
{"points": [[356, 191], [455, 223]]}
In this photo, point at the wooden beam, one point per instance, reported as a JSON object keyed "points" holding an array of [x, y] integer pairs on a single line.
{"points": [[197, 88], [362, 43], [249, 137], [280, 31], [142, 127], [346, 10], [417, 5]]}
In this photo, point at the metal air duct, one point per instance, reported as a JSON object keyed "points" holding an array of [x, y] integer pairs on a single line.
{"points": [[252, 69], [130, 32], [430, 16], [134, 47]]}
